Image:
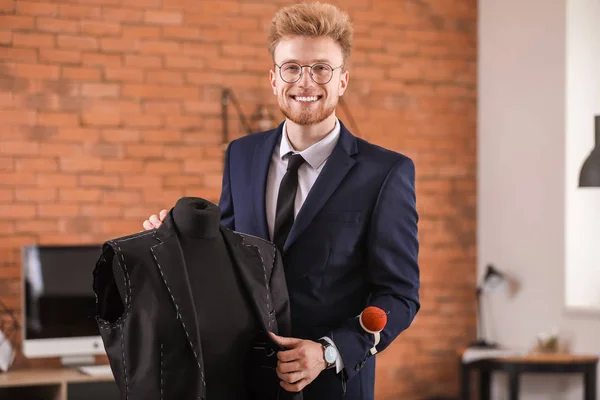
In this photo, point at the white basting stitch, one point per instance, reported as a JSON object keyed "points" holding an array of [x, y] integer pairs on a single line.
{"points": [[124, 366], [269, 321], [121, 320], [185, 330], [136, 236], [161, 371]]}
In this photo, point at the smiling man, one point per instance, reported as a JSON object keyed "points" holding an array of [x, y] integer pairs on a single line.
{"points": [[341, 210]]}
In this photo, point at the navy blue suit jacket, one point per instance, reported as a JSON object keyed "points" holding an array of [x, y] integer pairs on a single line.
{"points": [[353, 244]]}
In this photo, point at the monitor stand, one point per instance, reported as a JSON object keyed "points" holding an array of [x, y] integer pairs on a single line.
{"points": [[77, 361]]}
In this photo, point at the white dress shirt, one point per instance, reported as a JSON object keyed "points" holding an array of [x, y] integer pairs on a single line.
{"points": [[315, 157]]}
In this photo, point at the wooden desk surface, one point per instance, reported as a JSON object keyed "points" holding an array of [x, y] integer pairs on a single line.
{"points": [[37, 377], [549, 358]]}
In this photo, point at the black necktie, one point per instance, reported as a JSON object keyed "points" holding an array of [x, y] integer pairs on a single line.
{"points": [[284, 214]]}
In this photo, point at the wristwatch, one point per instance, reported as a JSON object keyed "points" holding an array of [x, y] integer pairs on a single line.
{"points": [[330, 353]]}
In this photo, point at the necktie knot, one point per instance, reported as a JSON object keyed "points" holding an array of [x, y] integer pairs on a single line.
{"points": [[294, 162]]}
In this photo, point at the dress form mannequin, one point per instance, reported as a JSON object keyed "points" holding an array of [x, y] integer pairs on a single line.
{"points": [[226, 320]]}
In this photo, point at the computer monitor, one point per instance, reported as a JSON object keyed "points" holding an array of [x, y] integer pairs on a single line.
{"points": [[59, 303]]}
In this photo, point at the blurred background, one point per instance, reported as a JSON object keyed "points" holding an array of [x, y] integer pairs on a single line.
{"points": [[111, 110]]}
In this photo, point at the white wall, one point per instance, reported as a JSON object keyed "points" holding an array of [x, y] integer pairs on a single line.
{"points": [[521, 180], [582, 219]]}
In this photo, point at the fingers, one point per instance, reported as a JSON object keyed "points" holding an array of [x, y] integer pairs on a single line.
{"points": [[288, 355], [294, 387], [148, 225], [162, 215], [155, 221], [286, 341], [292, 377], [287, 367]]}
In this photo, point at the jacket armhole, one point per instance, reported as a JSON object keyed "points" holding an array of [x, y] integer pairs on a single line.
{"points": [[110, 287]]}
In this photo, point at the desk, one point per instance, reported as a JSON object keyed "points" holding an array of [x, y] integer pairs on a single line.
{"points": [[531, 363], [54, 384]]}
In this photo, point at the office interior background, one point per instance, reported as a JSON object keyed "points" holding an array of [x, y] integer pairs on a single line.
{"points": [[111, 110]]}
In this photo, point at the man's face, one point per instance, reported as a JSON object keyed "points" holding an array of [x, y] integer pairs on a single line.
{"points": [[305, 101]]}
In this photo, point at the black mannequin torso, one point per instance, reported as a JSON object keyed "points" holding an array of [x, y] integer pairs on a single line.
{"points": [[226, 320]]}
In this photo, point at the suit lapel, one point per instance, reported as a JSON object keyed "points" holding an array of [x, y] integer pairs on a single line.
{"points": [[169, 259], [251, 268], [260, 169], [337, 167]]}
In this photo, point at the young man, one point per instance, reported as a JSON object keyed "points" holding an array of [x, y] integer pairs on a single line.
{"points": [[341, 210]]}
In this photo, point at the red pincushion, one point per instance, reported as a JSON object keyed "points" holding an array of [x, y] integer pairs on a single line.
{"points": [[373, 318]]}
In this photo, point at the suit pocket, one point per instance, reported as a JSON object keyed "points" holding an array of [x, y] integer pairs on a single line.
{"points": [[348, 217]]}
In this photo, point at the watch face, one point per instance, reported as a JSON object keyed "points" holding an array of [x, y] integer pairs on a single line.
{"points": [[330, 355]]}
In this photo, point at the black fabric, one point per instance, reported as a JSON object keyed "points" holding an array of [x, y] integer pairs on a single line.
{"points": [[286, 198], [226, 321], [184, 311]]}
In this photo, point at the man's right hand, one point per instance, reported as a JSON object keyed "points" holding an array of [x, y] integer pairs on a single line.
{"points": [[155, 220]]}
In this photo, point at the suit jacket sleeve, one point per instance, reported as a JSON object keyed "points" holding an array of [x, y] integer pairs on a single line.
{"points": [[226, 201], [392, 270]]}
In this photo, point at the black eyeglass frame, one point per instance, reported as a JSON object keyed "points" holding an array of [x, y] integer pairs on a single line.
{"points": [[310, 71]]}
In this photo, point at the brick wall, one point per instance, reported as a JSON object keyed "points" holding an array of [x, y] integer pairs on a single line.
{"points": [[110, 110]]}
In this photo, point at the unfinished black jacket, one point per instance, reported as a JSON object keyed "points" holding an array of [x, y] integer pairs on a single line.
{"points": [[145, 312]]}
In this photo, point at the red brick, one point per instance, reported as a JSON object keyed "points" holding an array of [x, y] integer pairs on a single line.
{"points": [[6, 195], [80, 164], [60, 56], [164, 77], [163, 136], [80, 195], [17, 211], [36, 8], [102, 60], [18, 54], [122, 15], [7, 6], [37, 195], [17, 22], [187, 62], [19, 148], [5, 37], [143, 61], [100, 90], [141, 32], [37, 226], [159, 47], [121, 135], [36, 164], [160, 92], [56, 180], [144, 4], [33, 40], [57, 119], [103, 181], [162, 107], [79, 11], [57, 210], [162, 167], [119, 45], [81, 74], [100, 28], [101, 211], [128, 166], [54, 25], [86, 43], [142, 181], [143, 150], [163, 17], [181, 32], [123, 74]]}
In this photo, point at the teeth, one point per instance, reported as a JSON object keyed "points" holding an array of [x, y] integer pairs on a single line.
{"points": [[307, 99]]}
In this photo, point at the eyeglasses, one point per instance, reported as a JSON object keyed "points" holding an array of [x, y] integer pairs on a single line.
{"points": [[320, 73]]}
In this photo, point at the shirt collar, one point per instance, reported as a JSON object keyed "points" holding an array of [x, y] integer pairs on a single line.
{"points": [[316, 154]]}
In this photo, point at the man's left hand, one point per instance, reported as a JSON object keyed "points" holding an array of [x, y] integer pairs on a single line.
{"points": [[300, 364]]}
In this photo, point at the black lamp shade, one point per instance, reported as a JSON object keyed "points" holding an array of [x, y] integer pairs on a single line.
{"points": [[590, 171]]}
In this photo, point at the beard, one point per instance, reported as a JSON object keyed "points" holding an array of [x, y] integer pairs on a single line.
{"points": [[306, 116]]}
